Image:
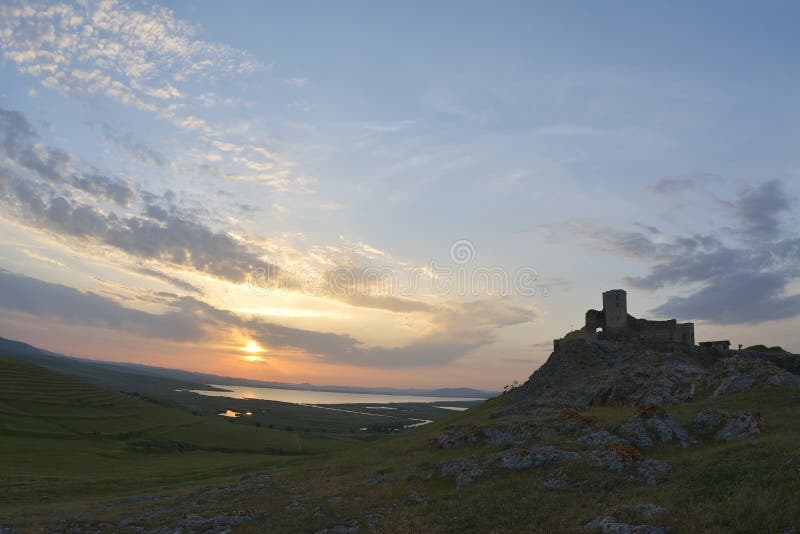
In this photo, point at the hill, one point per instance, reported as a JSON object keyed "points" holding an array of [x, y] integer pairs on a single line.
{"points": [[149, 379], [102, 373], [63, 436], [712, 460]]}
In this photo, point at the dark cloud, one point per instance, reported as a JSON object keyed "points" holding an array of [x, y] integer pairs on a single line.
{"points": [[101, 186], [15, 130], [139, 150], [673, 185], [169, 239], [760, 209], [638, 244], [736, 298], [54, 165], [177, 282], [742, 275], [692, 265], [68, 305]]}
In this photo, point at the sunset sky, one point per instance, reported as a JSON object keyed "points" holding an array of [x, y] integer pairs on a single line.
{"points": [[318, 192]]}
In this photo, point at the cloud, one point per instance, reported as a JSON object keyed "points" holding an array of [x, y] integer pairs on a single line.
{"points": [[462, 327], [760, 209], [459, 328], [68, 305], [140, 151], [298, 83], [739, 275], [51, 164], [735, 299], [669, 186], [136, 56], [172, 280], [104, 187], [171, 240]]}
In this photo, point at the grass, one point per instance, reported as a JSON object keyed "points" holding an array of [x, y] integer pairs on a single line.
{"points": [[63, 438], [74, 450], [744, 486]]}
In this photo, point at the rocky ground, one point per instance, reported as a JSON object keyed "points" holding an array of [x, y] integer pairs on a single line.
{"points": [[612, 373]]}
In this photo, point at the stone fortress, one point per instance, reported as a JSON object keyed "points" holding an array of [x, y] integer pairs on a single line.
{"points": [[613, 323]]}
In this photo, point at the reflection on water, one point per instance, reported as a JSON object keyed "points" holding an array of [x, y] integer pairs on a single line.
{"points": [[298, 396], [421, 422], [456, 408]]}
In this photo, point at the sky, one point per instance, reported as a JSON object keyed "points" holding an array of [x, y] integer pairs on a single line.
{"points": [[393, 194]]}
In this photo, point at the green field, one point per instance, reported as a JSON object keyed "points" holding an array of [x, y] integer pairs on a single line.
{"points": [[63, 438]]}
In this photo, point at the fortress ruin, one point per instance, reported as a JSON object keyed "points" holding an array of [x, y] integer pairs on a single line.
{"points": [[614, 323]]}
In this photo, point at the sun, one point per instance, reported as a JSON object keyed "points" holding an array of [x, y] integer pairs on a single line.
{"points": [[252, 347]]}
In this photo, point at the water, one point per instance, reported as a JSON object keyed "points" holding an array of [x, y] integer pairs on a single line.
{"points": [[298, 396]]}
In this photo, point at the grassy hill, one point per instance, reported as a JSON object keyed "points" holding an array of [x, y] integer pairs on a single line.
{"points": [[85, 441], [396, 485], [112, 375], [65, 438]]}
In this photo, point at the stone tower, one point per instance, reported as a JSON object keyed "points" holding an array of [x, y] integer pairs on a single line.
{"points": [[615, 309]]}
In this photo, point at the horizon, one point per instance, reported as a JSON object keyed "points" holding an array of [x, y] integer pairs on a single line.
{"points": [[266, 382], [413, 196]]}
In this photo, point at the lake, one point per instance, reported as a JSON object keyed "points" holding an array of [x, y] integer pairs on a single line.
{"points": [[298, 396]]}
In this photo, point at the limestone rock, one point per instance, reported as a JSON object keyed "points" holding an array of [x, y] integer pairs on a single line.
{"points": [[614, 457], [709, 420], [636, 433], [346, 526], [464, 470], [740, 426], [611, 525], [523, 458], [648, 510], [653, 471], [600, 438]]}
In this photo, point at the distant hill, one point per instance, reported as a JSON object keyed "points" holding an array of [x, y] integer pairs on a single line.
{"points": [[111, 375], [150, 379]]}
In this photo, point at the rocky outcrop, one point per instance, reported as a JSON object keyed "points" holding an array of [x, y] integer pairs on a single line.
{"points": [[611, 525], [726, 426], [614, 457], [653, 471], [740, 426], [741, 373], [651, 424], [464, 470], [524, 457], [617, 373]]}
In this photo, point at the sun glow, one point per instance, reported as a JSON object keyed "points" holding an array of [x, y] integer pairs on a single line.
{"points": [[253, 348]]}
